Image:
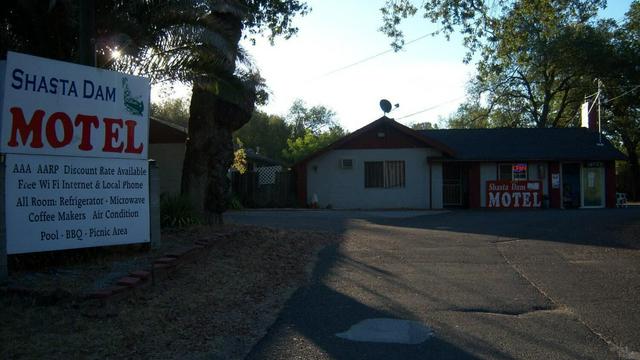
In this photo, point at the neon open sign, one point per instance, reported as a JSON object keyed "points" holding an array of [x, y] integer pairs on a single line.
{"points": [[519, 168]]}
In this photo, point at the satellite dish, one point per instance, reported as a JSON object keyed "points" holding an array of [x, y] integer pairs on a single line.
{"points": [[385, 105]]}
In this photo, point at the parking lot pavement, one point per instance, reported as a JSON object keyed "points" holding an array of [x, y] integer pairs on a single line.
{"points": [[528, 284]]}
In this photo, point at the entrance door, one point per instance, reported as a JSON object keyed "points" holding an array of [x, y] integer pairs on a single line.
{"points": [[593, 185], [571, 186], [451, 184]]}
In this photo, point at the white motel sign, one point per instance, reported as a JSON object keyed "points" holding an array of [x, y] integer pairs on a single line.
{"points": [[75, 140]]}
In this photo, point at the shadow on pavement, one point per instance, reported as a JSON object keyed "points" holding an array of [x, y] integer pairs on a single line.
{"points": [[307, 326], [366, 288], [311, 318], [597, 227]]}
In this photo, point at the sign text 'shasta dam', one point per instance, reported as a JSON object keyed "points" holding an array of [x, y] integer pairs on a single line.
{"points": [[87, 89]]}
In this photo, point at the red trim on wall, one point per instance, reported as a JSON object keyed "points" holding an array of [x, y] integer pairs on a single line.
{"points": [[383, 136], [474, 185], [610, 184], [301, 183], [383, 122], [555, 198]]}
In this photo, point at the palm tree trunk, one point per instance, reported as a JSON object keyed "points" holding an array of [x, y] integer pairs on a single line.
{"points": [[212, 119], [209, 152]]}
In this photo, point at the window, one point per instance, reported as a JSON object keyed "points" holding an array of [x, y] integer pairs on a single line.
{"points": [[514, 172], [384, 174], [504, 172], [394, 174], [373, 174]]}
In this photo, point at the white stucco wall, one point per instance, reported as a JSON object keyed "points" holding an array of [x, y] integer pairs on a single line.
{"points": [[539, 171], [344, 188], [169, 158], [436, 186], [488, 171]]}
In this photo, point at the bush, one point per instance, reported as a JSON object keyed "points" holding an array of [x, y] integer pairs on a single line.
{"points": [[235, 203], [176, 211]]}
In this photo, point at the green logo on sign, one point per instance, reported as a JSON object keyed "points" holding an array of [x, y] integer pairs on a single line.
{"points": [[134, 105]]}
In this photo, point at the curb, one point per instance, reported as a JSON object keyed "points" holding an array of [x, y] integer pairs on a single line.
{"points": [[98, 302]]}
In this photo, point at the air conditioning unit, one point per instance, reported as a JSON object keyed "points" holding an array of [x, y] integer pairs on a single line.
{"points": [[346, 163]]}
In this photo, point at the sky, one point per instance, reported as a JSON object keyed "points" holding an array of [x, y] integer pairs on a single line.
{"points": [[427, 78]]}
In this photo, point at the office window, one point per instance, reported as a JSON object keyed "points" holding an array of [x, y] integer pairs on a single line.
{"points": [[384, 174], [504, 172]]}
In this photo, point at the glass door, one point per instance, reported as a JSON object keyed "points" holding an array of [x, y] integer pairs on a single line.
{"points": [[571, 187], [593, 186]]}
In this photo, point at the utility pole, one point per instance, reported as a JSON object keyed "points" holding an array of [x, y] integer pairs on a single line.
{"points": [[599, 121]]}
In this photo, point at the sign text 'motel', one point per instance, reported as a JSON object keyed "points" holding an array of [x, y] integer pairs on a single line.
{"points": [[75, 140], [514, 194], [114, 142]]}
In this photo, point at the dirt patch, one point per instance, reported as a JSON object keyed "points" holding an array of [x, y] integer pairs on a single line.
{"points": [[216, 305]]}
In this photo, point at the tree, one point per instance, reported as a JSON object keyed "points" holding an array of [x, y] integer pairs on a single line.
{"points": [[39, 28], [239, 158], [622, 88], [172, 110], [311, 129], [538, 60], [300, 147], [424, 126], [224, 97], [268, 133], [533, 54], [315, 119], [191, 41], [201, 46], [52, 29], [470, 115]]}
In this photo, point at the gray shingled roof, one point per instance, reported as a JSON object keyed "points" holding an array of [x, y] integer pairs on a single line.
{"points": [[525, 144]]}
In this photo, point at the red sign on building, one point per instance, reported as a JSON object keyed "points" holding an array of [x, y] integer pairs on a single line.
{"points": [[514, 194]]}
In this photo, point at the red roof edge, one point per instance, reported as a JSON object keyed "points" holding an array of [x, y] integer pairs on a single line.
{"points": [[383, 120]]}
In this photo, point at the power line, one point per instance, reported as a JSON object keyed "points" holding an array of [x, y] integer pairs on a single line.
{"points": [[623, 94], [430, 108], [372, 56], [592, 95], [462, 97]]}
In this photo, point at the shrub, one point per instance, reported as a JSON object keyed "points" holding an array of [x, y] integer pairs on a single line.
{"points": [[176, 211], [235, 203]]}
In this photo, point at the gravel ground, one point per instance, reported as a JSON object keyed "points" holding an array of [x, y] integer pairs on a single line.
{"points": [[215, 306]]}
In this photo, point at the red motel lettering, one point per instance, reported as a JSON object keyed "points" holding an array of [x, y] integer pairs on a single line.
{"points": [[114, 139], [87, 121]]}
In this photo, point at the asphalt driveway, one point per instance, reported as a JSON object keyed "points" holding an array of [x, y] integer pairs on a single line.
{"points": [[489, 284]]}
